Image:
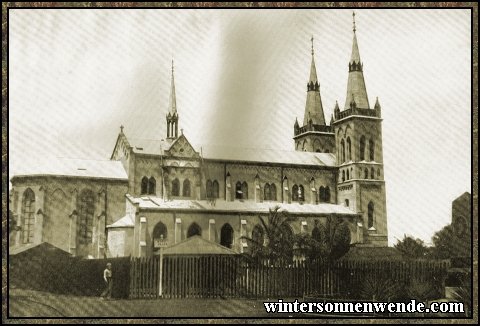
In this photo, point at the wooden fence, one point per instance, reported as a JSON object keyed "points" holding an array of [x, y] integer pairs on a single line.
{"points": [[235, 276]]}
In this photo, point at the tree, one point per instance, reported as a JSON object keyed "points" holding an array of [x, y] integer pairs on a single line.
{"points": [[278, 241], [448, 244], [330, 242], [411, 248]]}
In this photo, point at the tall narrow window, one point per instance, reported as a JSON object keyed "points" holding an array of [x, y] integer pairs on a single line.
{"points": [[343, 176], [176, 187], [348, 174], [327, 194], [370, 214], [144, 186], [349, 149], [86, 213], [273, 192], [216, 191], [226, 236], [347, 202], [366, 173], [209, 189], [362, 148], [245, 190], [152, 184], [371, 146], [266, 192], [238, 190], [342, 148], [372, 173], [186, 191], [321, 194], [295, 193], [28, 216]]}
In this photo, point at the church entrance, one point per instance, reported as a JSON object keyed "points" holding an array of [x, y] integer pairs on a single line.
{"points": [[226, 236]]}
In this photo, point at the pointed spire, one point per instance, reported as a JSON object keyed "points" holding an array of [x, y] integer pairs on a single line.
{"points": [[313, 70], [377, 104], [172, 103], [313, 106], [356, 90]]}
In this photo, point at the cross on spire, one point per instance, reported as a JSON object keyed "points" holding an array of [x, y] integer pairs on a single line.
{"points": [[354, 26], [312, 44]]}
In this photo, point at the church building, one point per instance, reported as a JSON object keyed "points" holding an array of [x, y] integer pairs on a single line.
{"points": [[154, 193]]}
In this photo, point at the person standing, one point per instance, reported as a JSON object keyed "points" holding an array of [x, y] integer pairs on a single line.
{"points": [[107, 276]]}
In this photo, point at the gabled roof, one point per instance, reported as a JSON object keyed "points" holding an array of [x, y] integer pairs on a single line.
{"points": [[44, 246], [73, 167], [197, 245], [124, 222]]}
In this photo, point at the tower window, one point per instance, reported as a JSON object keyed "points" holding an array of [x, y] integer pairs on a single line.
{"points": [[370, 214], [327, 194], [349, 149], [348, 175], [362, 148], [342, 148], [371, 145], [378, 173], [28, 217], [343, 176], [347, 202], [372, 173], [366, 173]]}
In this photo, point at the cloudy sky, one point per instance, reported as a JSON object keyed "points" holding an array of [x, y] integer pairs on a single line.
{"points": [[77, 75]]}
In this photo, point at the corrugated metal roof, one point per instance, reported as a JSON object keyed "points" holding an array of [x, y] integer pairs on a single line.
{"points": [[224, 153], [196, 245], [238, 206], [103, 169]]}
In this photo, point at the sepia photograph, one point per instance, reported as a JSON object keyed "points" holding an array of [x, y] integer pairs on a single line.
{"points": [[261, 163]]}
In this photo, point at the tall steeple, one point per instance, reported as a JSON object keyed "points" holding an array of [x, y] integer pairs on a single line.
{"points": [[172, 115], [313, 106], [356, 90]]}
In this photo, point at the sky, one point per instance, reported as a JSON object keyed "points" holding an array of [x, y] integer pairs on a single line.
{"points": [[75, 76]]}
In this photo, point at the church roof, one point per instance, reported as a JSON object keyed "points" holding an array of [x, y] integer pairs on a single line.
{"points": [[225, 153], [249, 206], [197, 245], [124, 222], [70, 167]]}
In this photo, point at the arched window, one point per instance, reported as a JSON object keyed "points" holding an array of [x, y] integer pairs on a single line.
{"points": [[370, 214], [215, 189], [273, 192], [28, 216], [372, 173], [144, 187], [152, 184], [286, 233], [371, 146], [343, 176], [366, 173], [266, 192], [321, 194], [160, 231], [342, 148], [186, 188], [86, 213], [349, 149], [226, 236], [175, 187], [347, 202], [362, 148], [238, 190], [316, 146], [209, 189], [295, 193], [245, 190], [378, 173], [348, 175], [301, 193], [194, 229], [327, 194]]}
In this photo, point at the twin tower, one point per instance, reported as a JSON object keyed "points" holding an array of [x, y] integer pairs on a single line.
{"points": [[355, 137]]}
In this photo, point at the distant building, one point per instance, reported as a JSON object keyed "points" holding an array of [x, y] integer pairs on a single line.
{"points": [[167, 190]]}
